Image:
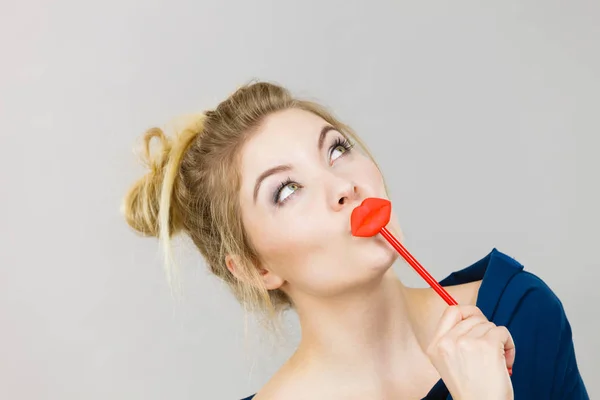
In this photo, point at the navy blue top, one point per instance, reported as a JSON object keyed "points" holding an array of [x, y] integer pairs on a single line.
{"points": [[545, 365]]}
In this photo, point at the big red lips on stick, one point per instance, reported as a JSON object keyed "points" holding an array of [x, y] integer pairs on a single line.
{"points": [[370, 218]]}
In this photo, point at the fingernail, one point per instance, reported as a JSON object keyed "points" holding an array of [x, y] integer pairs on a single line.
{"points": [[510, 371]]}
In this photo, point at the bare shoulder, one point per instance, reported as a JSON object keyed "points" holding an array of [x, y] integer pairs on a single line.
{"points": [[465, 293], [297, 383], [288, 383]]}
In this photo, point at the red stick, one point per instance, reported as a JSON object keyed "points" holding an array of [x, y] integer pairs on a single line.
{"points": [[418, 267]]}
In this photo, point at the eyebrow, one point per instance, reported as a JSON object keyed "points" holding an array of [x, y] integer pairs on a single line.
{"points": [[287, 167]]}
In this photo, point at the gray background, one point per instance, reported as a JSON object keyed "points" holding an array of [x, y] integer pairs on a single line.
{"points": [[483, 116]]}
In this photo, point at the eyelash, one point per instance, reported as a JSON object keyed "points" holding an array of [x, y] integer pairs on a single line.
{"points": [[343, 142]]}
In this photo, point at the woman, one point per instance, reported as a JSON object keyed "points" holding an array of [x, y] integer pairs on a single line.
{"points": [[264, 185]]}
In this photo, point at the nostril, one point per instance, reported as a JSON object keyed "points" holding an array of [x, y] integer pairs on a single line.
{"points": [[341, 200]]}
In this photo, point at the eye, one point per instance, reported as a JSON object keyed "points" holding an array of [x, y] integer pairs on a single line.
{"points": [[339, 148], [284, 191], [288, 188]]}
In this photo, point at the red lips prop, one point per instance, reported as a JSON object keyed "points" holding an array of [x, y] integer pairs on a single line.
{"points": [[372, 215], [370, 218]]}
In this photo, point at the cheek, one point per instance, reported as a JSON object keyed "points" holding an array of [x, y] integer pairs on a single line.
{"points": [[285, 246]]}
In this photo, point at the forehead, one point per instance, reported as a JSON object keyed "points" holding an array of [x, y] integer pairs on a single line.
{"points": [[281, 137], [280, 131], [287, 124]]}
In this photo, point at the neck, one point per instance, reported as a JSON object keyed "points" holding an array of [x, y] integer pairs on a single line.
{"points": [[373, 328]]}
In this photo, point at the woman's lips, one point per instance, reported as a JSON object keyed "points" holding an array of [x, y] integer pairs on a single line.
{"points": [[372, 215]]}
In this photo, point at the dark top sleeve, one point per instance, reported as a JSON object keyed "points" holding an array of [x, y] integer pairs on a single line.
{"points": [[546, 347], [568, 383]]}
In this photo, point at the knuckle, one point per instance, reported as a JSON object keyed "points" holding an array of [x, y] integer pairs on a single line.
{"points": [[474, 310], [503, 329], [452, 311], [445, 345], [498, 331], [465, 343], [431, 350]]}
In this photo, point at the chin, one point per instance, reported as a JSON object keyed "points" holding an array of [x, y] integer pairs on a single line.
{"points": [[379, 255]]}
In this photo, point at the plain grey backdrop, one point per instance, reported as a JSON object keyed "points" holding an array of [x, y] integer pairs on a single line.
{"points": [[483, 115]]}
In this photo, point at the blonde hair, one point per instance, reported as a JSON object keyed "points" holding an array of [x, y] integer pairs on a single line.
{"points": [[193, 182]]}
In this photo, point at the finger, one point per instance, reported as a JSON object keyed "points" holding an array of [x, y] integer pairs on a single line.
{"points": [[464, 327], [479, 330], [452, 316], [501, 335]]}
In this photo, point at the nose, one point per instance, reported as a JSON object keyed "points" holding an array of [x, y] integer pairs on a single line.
{"points": [[344, 194]]}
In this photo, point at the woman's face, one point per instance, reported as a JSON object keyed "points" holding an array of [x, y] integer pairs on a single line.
{"points": [[300, 182]]}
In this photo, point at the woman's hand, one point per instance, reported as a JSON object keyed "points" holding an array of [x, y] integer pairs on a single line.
{"points": [[472, 355]]}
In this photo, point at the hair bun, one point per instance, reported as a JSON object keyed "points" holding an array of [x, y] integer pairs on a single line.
{"points": [[141, 205], [148, 207]]}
